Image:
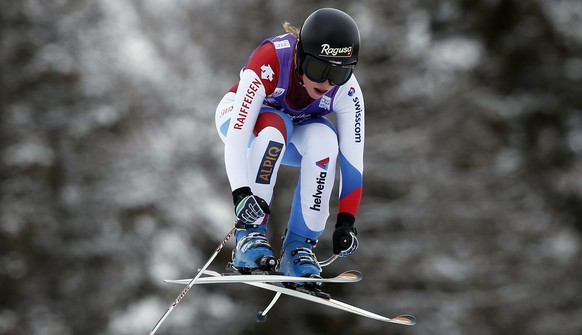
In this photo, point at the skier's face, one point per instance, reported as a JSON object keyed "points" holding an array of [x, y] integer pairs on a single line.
{"points": [[316, 90]]}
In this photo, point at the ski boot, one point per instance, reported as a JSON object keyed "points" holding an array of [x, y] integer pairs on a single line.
{"points": [[298, 259], [252, 253]]}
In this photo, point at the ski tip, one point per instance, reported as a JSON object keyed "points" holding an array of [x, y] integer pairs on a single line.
{"points": [[352, 275], [407, 320], [177, 281]]}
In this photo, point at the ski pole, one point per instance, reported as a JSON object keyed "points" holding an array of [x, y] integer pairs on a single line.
{"points": [[192, 282], [329, 260]]}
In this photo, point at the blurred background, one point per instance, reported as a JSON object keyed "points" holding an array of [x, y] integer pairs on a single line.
{"points": [[112, 177]]}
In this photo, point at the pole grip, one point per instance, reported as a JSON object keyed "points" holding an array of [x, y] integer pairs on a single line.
{"points": [[346, 241]]}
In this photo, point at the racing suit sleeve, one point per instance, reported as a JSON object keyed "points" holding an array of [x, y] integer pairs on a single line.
{"points": [[257, 80], [349, 109]]}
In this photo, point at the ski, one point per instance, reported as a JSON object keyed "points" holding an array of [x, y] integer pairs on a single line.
{"points": [[407, 320], [351, 276]]}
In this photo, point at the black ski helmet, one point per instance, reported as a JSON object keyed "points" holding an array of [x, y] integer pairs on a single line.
{"points": [[331, 36]]}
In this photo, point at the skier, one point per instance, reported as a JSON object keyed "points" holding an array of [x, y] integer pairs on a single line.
{"points": [[275, 115]]}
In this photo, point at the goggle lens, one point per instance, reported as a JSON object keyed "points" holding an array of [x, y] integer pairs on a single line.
{"points": [[319, 71]]}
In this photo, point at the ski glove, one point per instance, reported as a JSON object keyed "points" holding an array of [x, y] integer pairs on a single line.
{"points": [[248, 208], [344, 237]]}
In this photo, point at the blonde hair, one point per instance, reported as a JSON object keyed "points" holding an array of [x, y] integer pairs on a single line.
{"points": [[291, 29]]}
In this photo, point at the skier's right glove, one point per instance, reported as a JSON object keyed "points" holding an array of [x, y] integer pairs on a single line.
{"points": [[344, 237], [248, 208]]}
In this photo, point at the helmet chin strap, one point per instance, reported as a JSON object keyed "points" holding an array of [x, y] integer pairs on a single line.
{"points": [[297, 70], [300, 79]]}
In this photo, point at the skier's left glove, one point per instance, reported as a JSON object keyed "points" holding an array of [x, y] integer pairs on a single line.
{"points": [[345, 241]]}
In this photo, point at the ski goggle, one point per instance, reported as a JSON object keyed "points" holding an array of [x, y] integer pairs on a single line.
{"points": [[319, 71]]}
